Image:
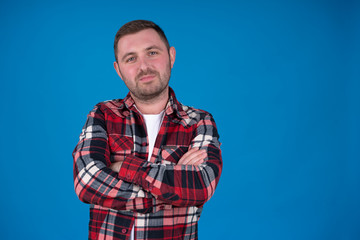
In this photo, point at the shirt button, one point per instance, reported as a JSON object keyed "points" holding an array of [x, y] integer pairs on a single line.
{"points": [[128, 176], [124, 230], [162, 207]]}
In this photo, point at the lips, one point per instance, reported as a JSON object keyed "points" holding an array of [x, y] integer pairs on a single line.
{"points": [[147, 75], [146, 78]]}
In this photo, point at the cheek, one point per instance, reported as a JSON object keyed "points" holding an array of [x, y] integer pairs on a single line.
{"points": [[162, 63], [128, 72]]}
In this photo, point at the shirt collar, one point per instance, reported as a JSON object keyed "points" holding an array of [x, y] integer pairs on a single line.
{"points": [[173, 106]]}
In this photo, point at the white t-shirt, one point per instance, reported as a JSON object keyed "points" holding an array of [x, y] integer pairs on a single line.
{"points": [[153, 124]]}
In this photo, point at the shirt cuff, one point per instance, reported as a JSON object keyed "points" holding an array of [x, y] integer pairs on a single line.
{"points": [[131, 169]]}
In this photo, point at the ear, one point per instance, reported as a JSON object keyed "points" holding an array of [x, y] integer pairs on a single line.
{"points": [[172, 53], [117, 69]]}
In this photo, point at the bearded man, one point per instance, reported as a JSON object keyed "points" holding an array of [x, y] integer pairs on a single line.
{"points": [[146, 164]]}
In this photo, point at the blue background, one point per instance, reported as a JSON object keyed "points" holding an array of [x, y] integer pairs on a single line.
{"points": [[281, 78]]}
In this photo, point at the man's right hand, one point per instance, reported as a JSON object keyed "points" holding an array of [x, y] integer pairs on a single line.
{"points": [[193, 157]]}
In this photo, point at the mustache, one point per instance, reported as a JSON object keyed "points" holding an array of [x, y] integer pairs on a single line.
{"points": [[146, 72]]}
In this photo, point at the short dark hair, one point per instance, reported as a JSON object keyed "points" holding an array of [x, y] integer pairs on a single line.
{"points": [[136, 26]]}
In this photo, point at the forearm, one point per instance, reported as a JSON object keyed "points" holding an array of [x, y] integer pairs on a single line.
{"points": [[94, 181], [178, 185], [140, 182]]}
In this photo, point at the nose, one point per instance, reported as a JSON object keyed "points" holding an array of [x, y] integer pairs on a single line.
{"points": [[143, 63]]}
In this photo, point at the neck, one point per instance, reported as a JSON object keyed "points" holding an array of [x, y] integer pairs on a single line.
{"points": [[152, 106]]}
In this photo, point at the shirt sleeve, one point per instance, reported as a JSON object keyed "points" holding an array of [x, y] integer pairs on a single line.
{"points": [[180, 185], [94, 181]]}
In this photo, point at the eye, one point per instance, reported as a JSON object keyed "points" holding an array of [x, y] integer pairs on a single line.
{"points": [[152, 53], [130, 59]]}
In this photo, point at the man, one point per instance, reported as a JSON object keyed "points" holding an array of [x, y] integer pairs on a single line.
{"points": [[146, 163]]}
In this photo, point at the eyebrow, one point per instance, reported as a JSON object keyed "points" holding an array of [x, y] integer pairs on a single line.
{"points": [[126, 55], [146, 49], [153, 47]]}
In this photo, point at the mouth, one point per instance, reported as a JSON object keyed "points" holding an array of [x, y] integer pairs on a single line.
{"points": [[146, 78]]}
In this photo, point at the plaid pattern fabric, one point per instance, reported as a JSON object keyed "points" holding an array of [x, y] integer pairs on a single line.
{"points": [[163, 200]]}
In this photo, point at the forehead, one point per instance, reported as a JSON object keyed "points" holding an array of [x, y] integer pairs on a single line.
{"points": [[139, 41]]}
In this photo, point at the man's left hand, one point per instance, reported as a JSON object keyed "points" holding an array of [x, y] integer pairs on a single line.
{"points": [[116, 166]]}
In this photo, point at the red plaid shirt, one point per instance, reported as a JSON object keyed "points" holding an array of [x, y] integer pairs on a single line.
{"points": [[163, 200]]}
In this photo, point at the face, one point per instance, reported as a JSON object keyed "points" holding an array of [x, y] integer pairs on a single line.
{"points": [[144, 63]]}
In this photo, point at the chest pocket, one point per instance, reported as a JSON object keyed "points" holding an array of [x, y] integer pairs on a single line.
{"points": [[172, 154], [120, 147]]}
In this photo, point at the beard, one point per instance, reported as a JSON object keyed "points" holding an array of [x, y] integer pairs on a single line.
{"points": [[148, 91]]}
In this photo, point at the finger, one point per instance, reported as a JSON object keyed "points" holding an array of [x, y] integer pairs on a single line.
{"points": [[116, 166], [193, 157], [187, 154], [198, 159], [190, 151], [198, 162]]}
